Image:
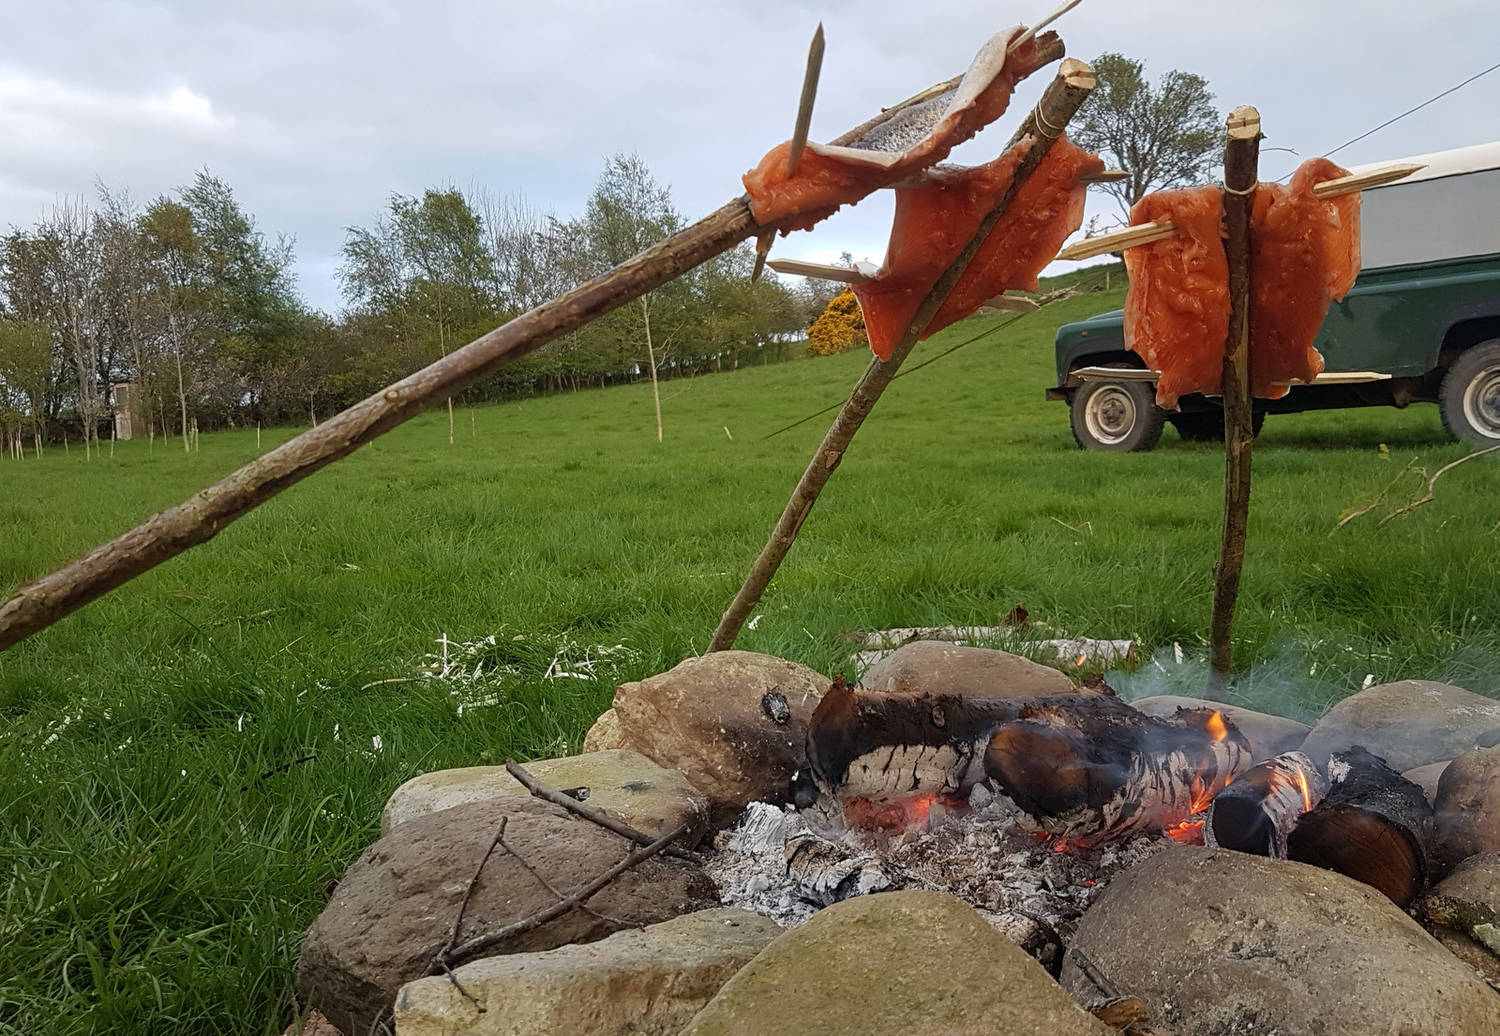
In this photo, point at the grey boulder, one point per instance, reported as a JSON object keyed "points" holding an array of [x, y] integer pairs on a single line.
{"points": [[734, 722], [1408, 724], [648, 982], [395, 906], [1218, 942], [624, 784], [910, 963]]}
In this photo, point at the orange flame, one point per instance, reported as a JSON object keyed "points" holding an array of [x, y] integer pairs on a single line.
{"points": [[1081, 659], [1217, 728], [1189, 832], [1306, 793]]}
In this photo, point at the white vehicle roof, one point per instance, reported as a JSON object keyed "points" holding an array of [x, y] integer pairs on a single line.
{"points": [[1455, 162], [1449, 210]]}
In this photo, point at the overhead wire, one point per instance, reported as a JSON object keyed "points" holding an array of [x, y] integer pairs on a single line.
{"points": [[1410, 111]]}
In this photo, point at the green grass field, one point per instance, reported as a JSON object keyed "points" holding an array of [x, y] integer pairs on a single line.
{"points": [[185, 763]]}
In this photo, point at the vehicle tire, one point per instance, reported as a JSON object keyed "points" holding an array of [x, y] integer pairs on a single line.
{"points": [[1117, 416], [1208, 426], [1470, 397]]}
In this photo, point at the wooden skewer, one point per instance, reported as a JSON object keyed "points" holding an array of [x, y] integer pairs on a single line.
{"points": [[1145, 233], [1105, 176], [1141, 234], [1359, 181], [1039, 26], [805, 105], [1010, 304], [797, 268]]}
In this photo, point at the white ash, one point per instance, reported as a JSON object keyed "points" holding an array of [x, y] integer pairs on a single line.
{"points": [[773, 863]]}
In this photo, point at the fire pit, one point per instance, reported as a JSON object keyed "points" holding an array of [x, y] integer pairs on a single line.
{"points": [[1026, 809], [1156, 867]]}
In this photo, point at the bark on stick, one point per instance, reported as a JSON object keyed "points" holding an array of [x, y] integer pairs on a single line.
{"points": [[1241, 156]]}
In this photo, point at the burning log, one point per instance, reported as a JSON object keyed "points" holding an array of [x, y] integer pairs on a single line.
{"points": [[1104, 773], [1084, 767], [1257, 812], [1373, 825]]}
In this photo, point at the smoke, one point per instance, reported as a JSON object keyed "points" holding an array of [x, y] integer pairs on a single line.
{"points": [[1291, 680], [1302, 679]]}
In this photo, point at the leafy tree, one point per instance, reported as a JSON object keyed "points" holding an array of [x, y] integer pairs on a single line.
{"points": [[426, 265], [248, 293], [25, 362], [1164, 136], [627, 212], [175, 252]]}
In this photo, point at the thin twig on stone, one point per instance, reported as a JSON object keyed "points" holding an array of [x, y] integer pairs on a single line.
{"points": [[1091, 971], [495, 936], [470, 997], [1427, 497], [598, 816], [556, 892], [441, 960]]}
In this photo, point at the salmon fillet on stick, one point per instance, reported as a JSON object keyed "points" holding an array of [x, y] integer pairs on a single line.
{"points": [[918, 137]]}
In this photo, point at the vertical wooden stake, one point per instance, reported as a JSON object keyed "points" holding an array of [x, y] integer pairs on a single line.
{"points": [[651, 361], [1241, 156]]}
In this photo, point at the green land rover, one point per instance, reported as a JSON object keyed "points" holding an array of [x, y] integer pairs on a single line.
{"points": [[1420, 325]]}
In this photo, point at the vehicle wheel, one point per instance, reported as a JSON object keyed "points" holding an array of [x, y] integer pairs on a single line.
{"points": [[1209, 426], [1470, 396], [1117, 416]]}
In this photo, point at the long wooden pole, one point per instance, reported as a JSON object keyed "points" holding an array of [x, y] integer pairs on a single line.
{"points": [[1059, 103], [36, 605], [1241, 156]]}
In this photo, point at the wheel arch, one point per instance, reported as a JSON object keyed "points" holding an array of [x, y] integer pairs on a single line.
{"points": [[1465, 334]]}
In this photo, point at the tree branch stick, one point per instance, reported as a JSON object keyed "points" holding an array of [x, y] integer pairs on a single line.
{"points": [[1059, 103], [598, 816], [495, 936], [1427, 497], [38, 604], [1241, 154]]}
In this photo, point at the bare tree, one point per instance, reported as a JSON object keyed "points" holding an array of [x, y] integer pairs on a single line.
{"points": [[70, 256]]}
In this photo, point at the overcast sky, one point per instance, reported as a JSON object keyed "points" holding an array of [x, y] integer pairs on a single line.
{"points": [[317, 111]]}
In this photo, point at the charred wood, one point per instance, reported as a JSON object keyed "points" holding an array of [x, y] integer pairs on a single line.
{"points": [[1106, 772], [1084, 766], [1373, 825], [1257, 812]]}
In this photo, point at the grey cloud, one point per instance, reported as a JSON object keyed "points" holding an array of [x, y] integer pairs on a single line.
{"points": [[321, 110]]}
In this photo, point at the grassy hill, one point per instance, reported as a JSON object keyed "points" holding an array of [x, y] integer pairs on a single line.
{"points": [[186, 762]]}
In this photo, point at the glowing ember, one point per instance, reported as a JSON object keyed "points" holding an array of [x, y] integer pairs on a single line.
{"points": [[1081, 659], [1189, 832], [1217, 728], [891, 817]]}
